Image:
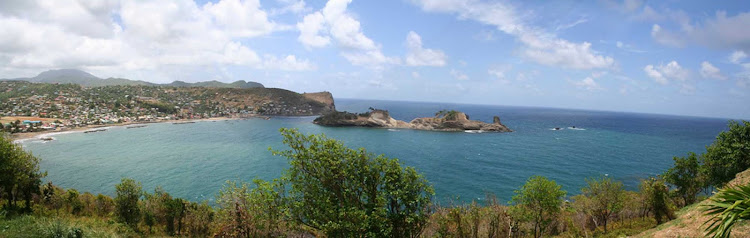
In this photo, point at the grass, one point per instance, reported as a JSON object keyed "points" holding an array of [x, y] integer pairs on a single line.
{"points": [[62, 227]]}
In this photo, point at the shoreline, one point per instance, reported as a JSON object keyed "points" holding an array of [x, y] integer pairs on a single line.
{"points": [[22, 137]]}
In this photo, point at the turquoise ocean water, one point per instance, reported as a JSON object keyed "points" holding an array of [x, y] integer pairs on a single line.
{"points": [[194, 160]]}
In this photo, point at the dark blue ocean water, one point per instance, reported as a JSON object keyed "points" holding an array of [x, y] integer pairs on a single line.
{"points": [[194, 160]]}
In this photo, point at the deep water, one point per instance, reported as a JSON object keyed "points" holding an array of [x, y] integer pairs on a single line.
{"points": [[194, 160]]}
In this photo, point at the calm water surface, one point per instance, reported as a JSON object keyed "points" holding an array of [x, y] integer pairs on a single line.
{"points": [[194, 160]]}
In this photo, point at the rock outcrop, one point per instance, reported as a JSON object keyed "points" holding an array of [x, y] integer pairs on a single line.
{"points": [[326, 98], [443, 121]]}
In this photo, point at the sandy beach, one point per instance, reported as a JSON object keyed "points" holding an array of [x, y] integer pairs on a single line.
{"points": [[17, 137]]}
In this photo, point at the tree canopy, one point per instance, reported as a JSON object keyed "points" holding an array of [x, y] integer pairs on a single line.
{"points": [[729, 154], [541, 199], [346, 192]]}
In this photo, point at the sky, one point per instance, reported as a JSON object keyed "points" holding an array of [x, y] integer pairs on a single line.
{"points": [[665, 57]]}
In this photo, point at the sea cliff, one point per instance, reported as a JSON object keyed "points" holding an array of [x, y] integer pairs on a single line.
{"points": [[442, 121]]}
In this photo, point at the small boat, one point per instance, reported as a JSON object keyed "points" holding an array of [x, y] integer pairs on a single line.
{"points": [[47, 138], [558, 128]]}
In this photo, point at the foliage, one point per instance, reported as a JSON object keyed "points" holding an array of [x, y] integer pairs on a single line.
{"points": [[541, 198], [606, 198], [256, 212], [19, 174], [728, 207], [198, 219], [729, 154], [345, 192], [686, 176], [656, 198], [126, 201], [448, 115]]}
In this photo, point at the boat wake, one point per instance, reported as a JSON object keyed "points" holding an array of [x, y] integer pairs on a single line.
{"points": [[576, 128]]}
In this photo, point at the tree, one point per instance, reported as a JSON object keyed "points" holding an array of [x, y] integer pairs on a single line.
{"points": [[542, 199], [686, 176], [729, 154], [128, 193], [20, 178], [346, 192], [198, 219], [607, 198], [246, 212], [728, 207], [656, 195]]}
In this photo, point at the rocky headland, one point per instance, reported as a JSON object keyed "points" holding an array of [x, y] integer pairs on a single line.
{"points": [[442, 121]]}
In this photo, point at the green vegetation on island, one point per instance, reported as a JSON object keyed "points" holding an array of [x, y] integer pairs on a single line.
{"points": [[334, 191]]}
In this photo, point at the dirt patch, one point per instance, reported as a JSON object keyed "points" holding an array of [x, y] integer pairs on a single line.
{"points": [[12, 119]]}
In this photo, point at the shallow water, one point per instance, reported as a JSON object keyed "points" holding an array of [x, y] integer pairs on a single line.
{"points": [[194, 160]]}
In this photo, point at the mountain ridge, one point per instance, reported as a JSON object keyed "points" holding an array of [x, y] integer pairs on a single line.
{"points": [[83, 78]]}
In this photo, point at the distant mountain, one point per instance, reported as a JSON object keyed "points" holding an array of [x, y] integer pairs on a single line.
{"points": [[74, 76]]}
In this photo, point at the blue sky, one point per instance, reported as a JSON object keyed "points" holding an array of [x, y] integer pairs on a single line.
{"points": [[669, 57]]}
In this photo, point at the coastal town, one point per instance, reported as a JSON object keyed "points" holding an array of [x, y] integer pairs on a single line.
{"points": [[33, 107]]}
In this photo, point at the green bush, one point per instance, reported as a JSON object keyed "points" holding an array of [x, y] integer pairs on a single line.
{"points": [[345, 192], [729, 154], [540, 200], [126, 202], [728, 207], [19, 174]]}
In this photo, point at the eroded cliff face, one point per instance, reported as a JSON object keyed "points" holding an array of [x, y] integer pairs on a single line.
{"points": [[452, 121], [325, 98]]}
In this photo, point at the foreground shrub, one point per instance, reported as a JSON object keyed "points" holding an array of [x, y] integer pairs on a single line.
{"points": [[729, 154], [256, 212], [352, 193], [540, 200], [126, 201], [728, 207], [19, 174]]}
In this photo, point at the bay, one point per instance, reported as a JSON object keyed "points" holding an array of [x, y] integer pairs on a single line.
{"points": [[194, 160]]}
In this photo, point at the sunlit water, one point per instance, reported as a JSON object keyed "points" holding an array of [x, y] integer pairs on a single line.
{"points": [[194, 160]]}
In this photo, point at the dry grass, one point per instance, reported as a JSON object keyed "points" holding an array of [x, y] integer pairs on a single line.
{"points": [[690, 219]]}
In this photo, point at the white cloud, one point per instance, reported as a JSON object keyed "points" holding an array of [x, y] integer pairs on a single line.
{"points": [[459, 75], [311, 28], [624, 6], [724, 32], [719, 32], [538, 45], [334, 22], [588, 84], [710, 71], [628, 47], [499, 72], [288, 63], [571, 25], [655, 74], [240, 19], [415, 74], [293, 6], [737, 56], [664, 73], [172, 37], [665, 37], [419, 56]]}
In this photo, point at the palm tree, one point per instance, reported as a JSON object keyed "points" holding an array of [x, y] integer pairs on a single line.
{"points": [[728, 206]]}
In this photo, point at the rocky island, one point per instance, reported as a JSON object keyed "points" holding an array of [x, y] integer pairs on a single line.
{"points": [[442, 121]]}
